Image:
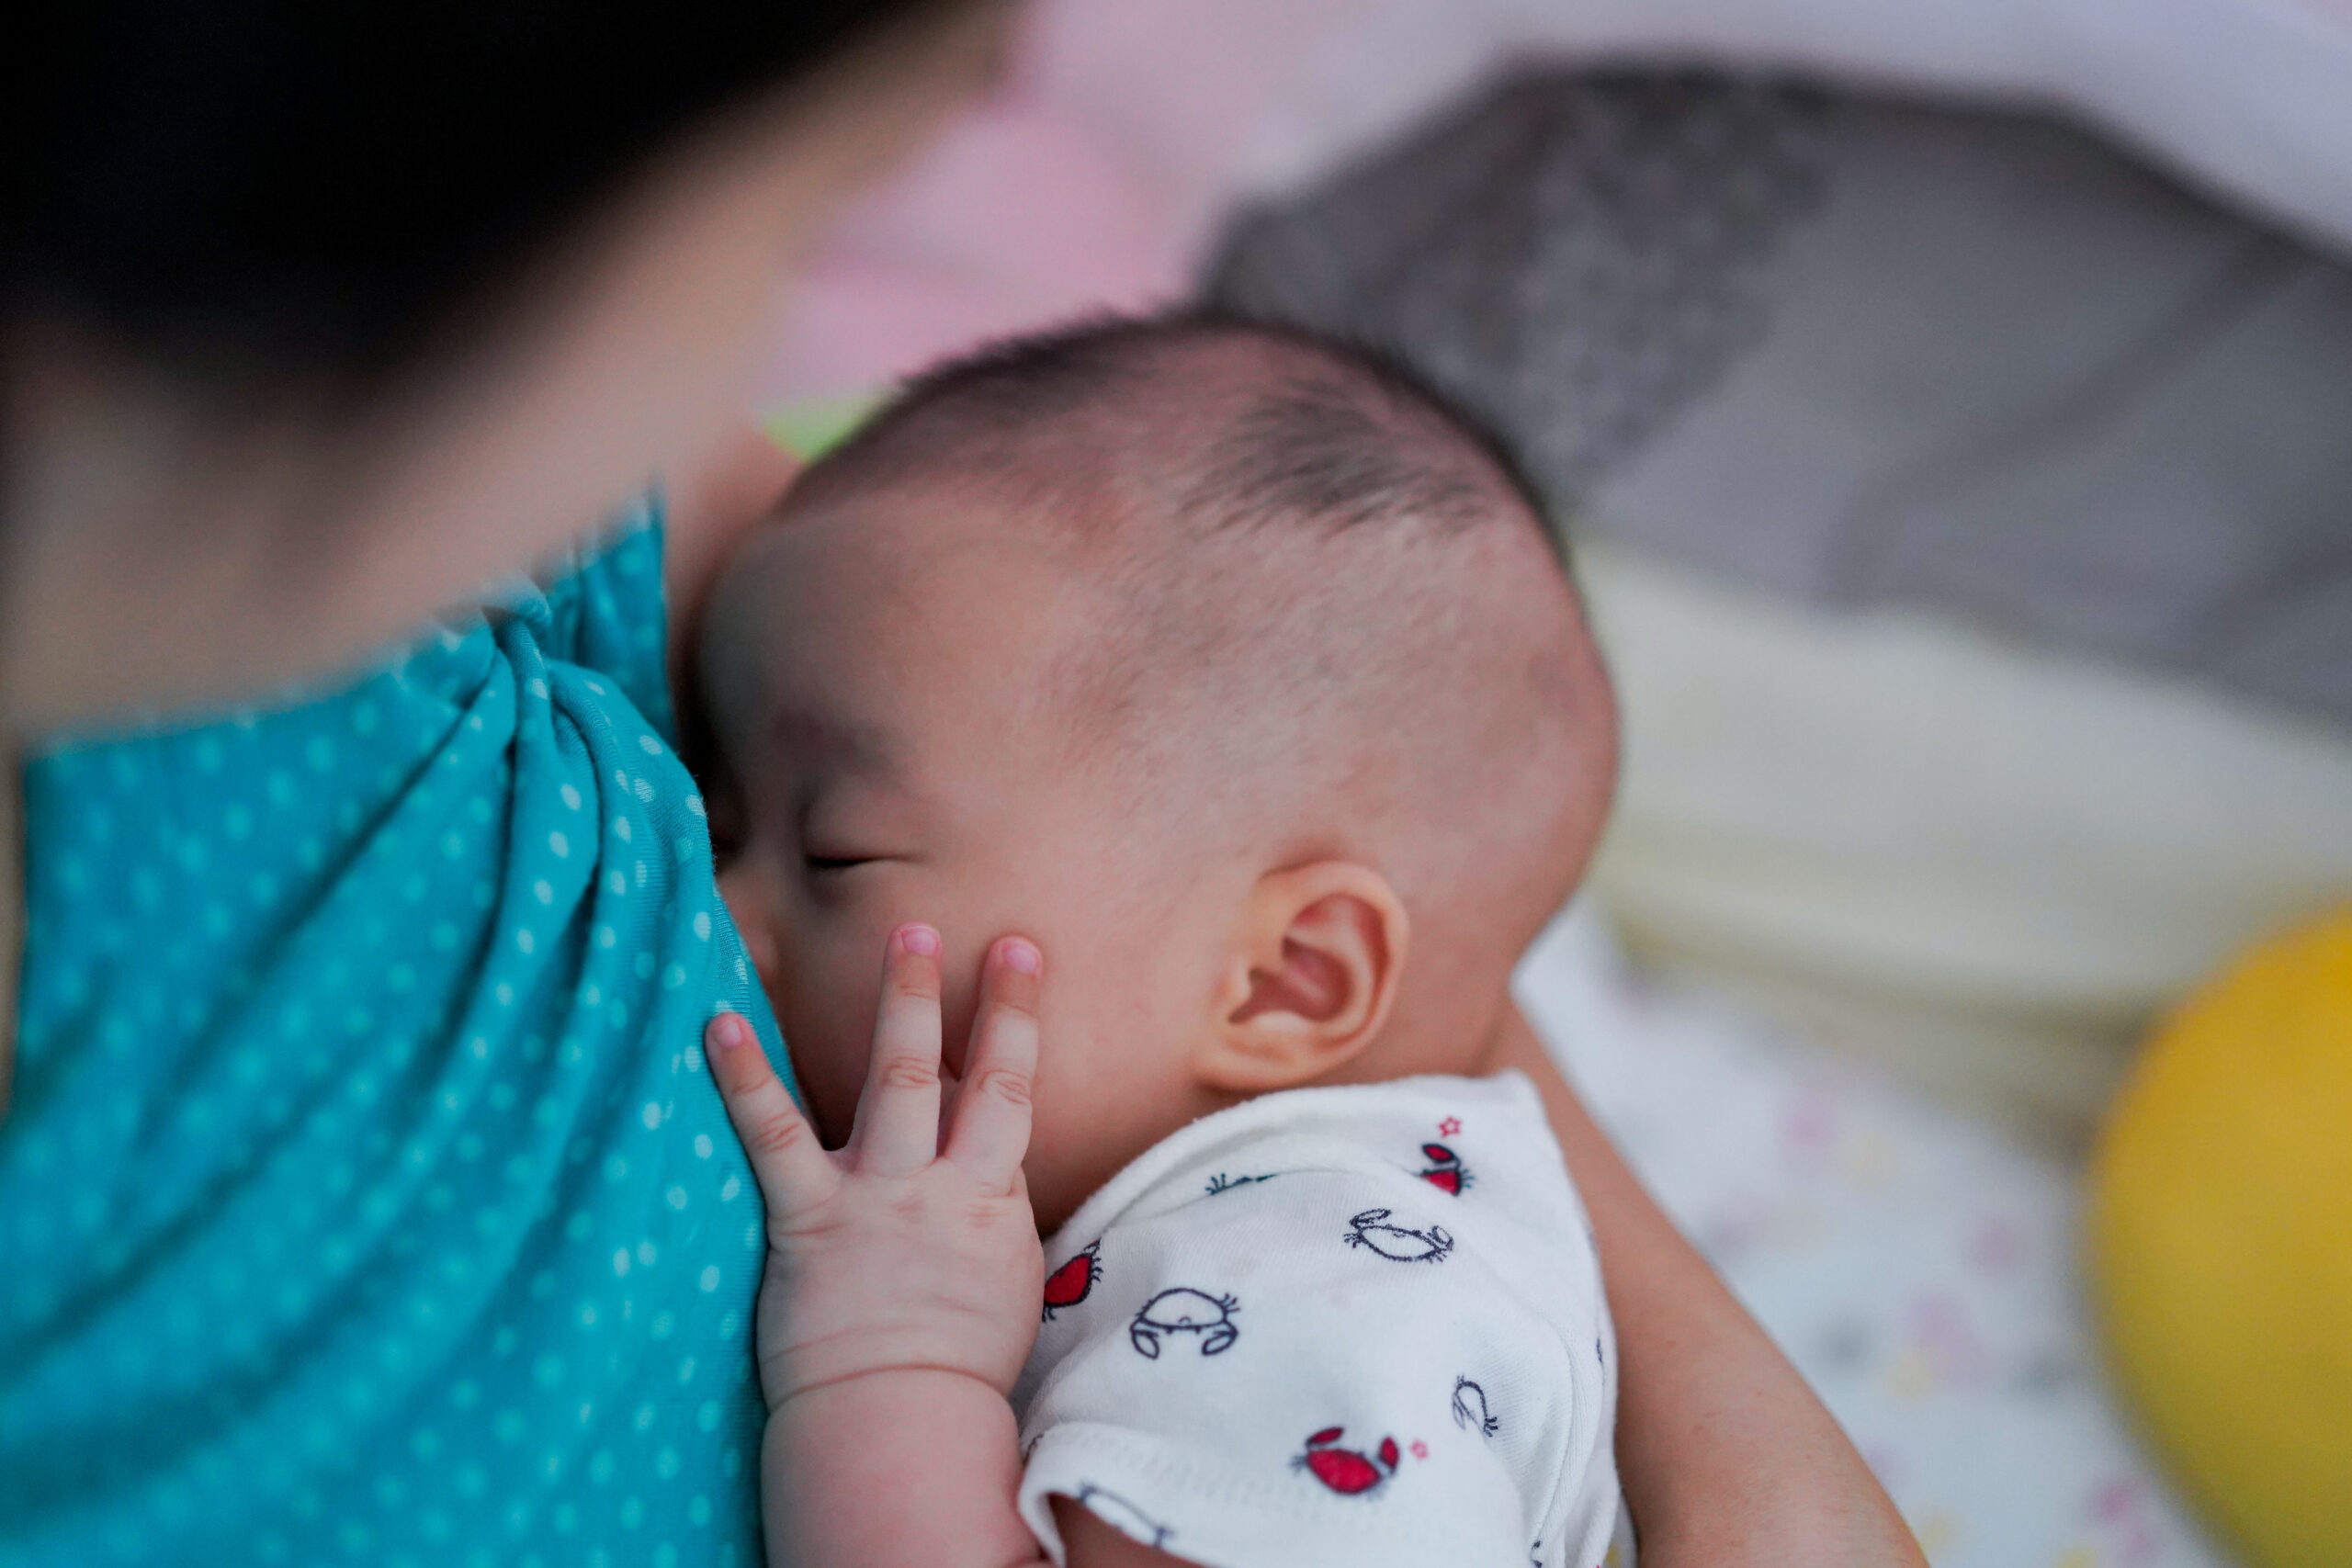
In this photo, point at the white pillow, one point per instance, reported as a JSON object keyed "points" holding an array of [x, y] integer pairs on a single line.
{"points": [[1984, 863]]}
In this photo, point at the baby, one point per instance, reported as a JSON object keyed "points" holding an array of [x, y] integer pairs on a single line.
{"points": [[1238, 673]]}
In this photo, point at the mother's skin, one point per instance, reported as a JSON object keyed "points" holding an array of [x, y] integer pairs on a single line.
{"points": [[163, 545]]}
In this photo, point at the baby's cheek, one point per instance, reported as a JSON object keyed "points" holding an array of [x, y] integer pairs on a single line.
{"points": [[830, 981], [1068, 1155], [833, 1098], [829, 1060]]}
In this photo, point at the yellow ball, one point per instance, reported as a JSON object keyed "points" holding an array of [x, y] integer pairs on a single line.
{"points": [[2221, 1247]]}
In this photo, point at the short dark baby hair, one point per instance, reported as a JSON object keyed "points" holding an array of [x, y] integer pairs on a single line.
{"points": [[1331, 432]]}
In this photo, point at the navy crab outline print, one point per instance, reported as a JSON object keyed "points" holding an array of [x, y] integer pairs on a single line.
{"points": [[1344, 1471], [1445, 1170], [1470, 1411], [1074, 1281], [1180, 1309], [1398, 1243], [1121, 1514]]}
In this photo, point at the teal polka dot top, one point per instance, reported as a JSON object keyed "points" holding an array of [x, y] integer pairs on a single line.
{"points": [[364, 1196]]}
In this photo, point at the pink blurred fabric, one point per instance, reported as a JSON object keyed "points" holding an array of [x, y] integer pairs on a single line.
{"points": [[1089, 180], [1092, 177]]}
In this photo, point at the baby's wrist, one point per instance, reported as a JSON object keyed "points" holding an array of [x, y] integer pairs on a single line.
{"points": [[823, 1370], [897, 1464], [896, 1384]]}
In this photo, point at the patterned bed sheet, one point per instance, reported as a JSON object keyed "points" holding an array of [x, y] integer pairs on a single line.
{"points": [[1918, 1268]]}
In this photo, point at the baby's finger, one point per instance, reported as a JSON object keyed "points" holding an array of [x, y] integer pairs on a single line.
{"points": [[991, 1129], [898, 1115], [790, 1164]]}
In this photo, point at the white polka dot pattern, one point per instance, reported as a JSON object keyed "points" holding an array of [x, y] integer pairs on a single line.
{"points": [[363, 1196]]}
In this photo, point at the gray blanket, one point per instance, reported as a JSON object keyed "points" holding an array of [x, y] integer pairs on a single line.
{"points": [[1861, 351]]}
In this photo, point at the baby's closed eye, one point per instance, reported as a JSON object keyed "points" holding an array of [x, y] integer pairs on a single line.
{"points": [[823, 863], [834, 866]]}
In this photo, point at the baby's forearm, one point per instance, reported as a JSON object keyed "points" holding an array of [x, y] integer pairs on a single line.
{"points": [[908, 1466]]}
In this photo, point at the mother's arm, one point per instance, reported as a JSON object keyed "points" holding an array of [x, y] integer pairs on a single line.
{"points": [[1725, 1455]]}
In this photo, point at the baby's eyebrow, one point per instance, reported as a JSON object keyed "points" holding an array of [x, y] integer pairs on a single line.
{"points": [[864, 748]]}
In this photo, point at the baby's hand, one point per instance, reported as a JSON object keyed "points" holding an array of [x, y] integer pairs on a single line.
{"points": [[909, 1247]]}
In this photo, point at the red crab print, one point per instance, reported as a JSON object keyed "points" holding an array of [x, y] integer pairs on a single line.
{"points": [[1446, 1171], [1344, 1471], [1074, 1281]]}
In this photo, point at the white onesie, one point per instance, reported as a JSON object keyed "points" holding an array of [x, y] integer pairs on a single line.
{"points": [[1357, 1325]]}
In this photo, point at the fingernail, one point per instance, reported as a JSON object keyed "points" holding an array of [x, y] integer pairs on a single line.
{"points": [[919, 940], [731, 1031], [1022, 953]]}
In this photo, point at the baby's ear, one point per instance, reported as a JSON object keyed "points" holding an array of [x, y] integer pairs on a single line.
{"points": [[1310, 981]]}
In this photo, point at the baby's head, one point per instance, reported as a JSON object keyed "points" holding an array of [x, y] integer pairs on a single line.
{"points": [[1233, 667]]}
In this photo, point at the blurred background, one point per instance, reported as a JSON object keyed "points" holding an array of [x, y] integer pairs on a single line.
{"points": [[1951, 408]]}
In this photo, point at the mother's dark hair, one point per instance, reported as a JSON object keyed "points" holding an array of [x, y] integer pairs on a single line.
{"points": [[237, 185]]}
